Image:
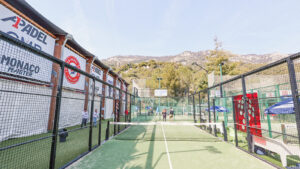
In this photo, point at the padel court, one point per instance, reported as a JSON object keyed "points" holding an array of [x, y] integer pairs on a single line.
{"points": [[167, 145]]}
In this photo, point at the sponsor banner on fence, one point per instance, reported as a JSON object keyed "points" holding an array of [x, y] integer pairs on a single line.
{"points": [[72, 78], [98, 73], [19, 28], [124, 89], [252, 109], [109, 90], [118, 84], [161, 92], [17, 61], [285, 92]]}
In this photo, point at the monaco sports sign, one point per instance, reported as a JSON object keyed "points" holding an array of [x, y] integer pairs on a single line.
{"points": [[72, 78]]}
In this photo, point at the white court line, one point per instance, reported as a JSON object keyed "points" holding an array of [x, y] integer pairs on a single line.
{"points": [[166, 144], [163, 123]]}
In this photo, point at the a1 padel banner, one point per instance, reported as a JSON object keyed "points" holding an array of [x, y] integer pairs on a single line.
{"points": [[18, 61], [253, 113], [72, 78], [17, 27]]}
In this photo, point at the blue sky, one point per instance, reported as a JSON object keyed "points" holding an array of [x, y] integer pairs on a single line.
{"points": [[167, 27]]}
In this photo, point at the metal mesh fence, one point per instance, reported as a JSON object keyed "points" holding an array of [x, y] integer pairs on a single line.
{"points": [[260, 111], [44, 123]]}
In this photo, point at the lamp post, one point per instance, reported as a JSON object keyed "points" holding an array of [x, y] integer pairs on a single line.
{"points": [[201, 67]]}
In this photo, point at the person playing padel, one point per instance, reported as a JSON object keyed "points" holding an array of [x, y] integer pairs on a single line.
{"points": [[164, 113]]}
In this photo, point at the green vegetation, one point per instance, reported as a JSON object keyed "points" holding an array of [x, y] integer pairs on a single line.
{"points": [[180, 79]]}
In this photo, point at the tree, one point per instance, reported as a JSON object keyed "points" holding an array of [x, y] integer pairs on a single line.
{"points": [[218, 56]]}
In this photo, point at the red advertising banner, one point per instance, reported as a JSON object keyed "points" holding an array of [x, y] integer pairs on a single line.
{"points": [[252, 109]]}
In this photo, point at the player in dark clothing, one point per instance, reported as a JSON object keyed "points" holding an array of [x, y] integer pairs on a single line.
{"points": [[164, 113], [171, 113]]}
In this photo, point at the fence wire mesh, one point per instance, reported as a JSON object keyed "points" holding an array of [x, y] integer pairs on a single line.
{"points": [[45, 123]]}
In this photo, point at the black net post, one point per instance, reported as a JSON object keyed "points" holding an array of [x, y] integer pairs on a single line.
{"points": [[91, 116], [214, 111], [140, 106], [294, 88], [234, 123], [120, 108], [129, 113], [100, 122], [224, 131], [194, 110], [107, 131], [115, 111], [126, 107], [249, 139], [199, 108], [56, 117]]}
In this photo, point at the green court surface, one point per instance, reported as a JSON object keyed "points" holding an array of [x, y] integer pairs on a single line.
{"points": [[168, 146]]}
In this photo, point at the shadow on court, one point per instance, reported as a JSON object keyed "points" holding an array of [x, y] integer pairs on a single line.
{"points": [[115, 153]]}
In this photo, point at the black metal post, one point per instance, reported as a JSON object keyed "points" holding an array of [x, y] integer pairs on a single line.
{"points": [[294, 88], [208, 105], [194, 111], [247, 115], [126, 107], [130, 108], [115, 112], [140, 106], [100, 122], [91, 116], [234, 123], [224, 131], [56, 118], [215, 120], [107, 131], [120, 108], [199, 108]]}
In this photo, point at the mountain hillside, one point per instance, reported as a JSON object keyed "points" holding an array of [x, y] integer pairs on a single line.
{"points": [[188, 57]]}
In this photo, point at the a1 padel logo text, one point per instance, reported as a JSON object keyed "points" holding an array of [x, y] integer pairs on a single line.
{"points": [[71, 75], [31, 31]]}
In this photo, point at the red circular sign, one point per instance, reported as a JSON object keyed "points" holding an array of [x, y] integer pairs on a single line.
{"points": [[71, 75]]}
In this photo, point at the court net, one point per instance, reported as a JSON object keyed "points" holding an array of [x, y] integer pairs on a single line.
{"points": [[170, 131]]}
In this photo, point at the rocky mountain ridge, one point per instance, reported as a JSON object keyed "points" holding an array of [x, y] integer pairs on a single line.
{"points": [[188, 57]]}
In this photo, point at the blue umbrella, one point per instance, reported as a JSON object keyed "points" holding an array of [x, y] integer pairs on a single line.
{"points": [[283, 107], [218, 109]]}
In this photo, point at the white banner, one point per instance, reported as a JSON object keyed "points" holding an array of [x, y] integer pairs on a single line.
{"points": [[124, 89], [19, 28], [98, 73], [118, 84], [285, 92], [15, 60], [109, 90], [72, 78], [161, 92]]}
